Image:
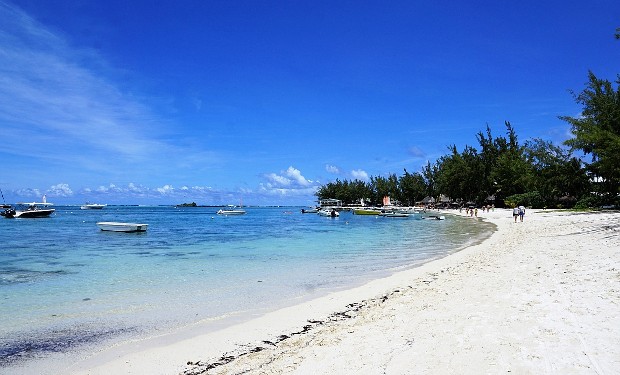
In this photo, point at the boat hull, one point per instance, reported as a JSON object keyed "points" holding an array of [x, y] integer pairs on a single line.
{"points": [[332, 213], [433, 217], [93, 206], [367, 212], [111, 226], [28, 214], [231, 212], [395, 214]]}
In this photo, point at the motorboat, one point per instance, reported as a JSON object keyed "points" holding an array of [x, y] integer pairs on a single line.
{"points": [[366, 211], [434, 217], [309, 210], [395, 214], [31, 210], [231, 212], [114, 226], [92, 206], [329, 212]]}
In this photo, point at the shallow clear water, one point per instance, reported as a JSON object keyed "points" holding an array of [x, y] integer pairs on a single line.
{"points": [[63, 282]]}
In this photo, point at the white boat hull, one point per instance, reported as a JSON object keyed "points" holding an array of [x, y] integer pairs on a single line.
{"points": [[231, 212], [92, 206], [329, 213], [122, 227], [32, 210], [34, 213], [10, 214]]}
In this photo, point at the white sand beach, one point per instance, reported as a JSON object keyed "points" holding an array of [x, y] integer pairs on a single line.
{"points": [[538, 297]]}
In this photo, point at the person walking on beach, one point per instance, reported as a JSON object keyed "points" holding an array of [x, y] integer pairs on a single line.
{"points": [[515, 213], [521, 212]]}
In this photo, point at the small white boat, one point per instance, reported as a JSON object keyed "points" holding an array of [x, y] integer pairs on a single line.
{"points": [[231, 212], [92, 206], [113, 226], [329, 212], [309, 210]]}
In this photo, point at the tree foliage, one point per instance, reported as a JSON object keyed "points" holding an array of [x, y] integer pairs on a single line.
{"points": [[597, 133]]}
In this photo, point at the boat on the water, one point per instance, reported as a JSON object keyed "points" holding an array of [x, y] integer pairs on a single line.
{"points": [[394, 214], [31, 210], [309, 210], [434, 217], [366, 211], [92, 206], [231, 212], [114, 226], [328, 212]]}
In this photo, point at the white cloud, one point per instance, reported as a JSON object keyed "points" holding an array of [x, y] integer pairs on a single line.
{"points": [[289, 183], [72, 98], [28, 193], [54, 94], [60, 190], [359, 174], [166, 189], [290, 177], [270, 190], [332, 169], [277, 179], [295, 174]]}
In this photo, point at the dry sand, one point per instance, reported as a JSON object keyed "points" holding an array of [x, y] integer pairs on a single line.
{"points": [[538, 297]]}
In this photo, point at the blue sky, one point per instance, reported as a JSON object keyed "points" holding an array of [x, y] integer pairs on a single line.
{"points": [[165, 102]]}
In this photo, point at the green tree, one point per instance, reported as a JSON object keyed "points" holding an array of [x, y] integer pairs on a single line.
{"points": [[412, 188], [459, 174], [597, 132], [559, 177], [430, 175]]}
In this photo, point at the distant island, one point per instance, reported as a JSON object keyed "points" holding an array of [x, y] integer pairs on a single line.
{"points": [[193, 204]]}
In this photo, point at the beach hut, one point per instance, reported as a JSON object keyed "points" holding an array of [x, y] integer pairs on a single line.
{"points": [[330, 203], [428, 200]]}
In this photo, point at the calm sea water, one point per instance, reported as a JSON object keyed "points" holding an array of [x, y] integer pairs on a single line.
{"points": [[65, 284]]}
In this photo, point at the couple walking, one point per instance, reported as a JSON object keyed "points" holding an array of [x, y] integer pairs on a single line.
{"points": [[518, 212]]}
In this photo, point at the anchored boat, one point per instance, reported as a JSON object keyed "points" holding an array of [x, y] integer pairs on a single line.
{"points": [[31, 210], [92, 206], [113, 226]]}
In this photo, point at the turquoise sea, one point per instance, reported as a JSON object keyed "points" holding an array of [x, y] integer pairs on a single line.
{"points": [[64, 284]]}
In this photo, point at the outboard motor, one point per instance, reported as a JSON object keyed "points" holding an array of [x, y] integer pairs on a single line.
{"points": [[8, 213]]}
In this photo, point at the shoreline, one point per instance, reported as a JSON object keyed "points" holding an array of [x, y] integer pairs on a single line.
{"points": [[469, 312]]}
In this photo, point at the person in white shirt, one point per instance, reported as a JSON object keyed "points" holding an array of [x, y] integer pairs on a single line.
{"points": [[515, 213]]}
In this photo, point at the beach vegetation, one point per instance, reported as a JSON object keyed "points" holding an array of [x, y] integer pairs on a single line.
{"points": [[412, 188], [588, 201], [499, 170], [530, 199], [596, 132]]}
